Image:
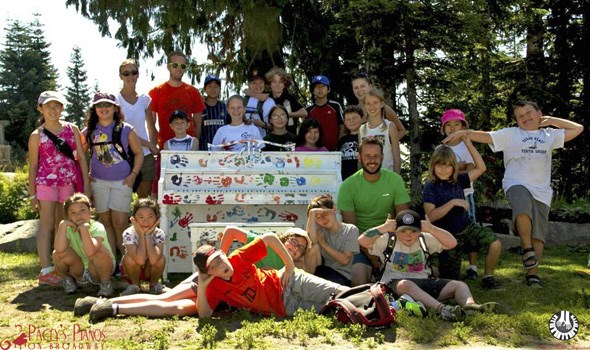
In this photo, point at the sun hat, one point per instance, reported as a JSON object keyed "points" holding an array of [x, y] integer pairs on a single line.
{"points": [[104, 97], [48, 96], [452, 114]]}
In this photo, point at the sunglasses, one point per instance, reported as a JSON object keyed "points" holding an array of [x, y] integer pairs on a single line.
{"points": [[103, 105], [128, 73], [177, 65]]}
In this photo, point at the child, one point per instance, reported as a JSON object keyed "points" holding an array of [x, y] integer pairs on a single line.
{"points": [[381, 129], [82, 251], [179, 123], [52, 175], [451, 121], [361, 85], [349, 142], [527, 179], [338, 242], [445, 204], [230, 137], [236, 281], [181, 300], [215, 114], [407, 271], [309, 138], [258, 104], [144, 248], [327, 112], [279, 81], [278, 131]]}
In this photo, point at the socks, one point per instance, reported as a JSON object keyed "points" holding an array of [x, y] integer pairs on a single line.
{"points": [[46, 270], [115, 309]]}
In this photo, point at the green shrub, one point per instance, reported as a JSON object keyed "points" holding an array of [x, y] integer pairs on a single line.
{"points": [[14, 201]]}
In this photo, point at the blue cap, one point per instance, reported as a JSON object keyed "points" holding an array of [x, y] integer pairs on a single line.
{"points": [[211, 78], [319, 79]]}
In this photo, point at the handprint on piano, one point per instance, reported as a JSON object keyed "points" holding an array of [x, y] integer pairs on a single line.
{"points": [[171, 198], [267, 212], [288, 216], [178, 160], [214, 199], [186, 220]]}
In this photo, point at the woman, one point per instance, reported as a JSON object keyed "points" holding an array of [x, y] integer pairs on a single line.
{"points": [[137, 112]]}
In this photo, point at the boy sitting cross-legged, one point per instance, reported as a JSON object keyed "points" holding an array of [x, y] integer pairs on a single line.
{"points": [[407, 270]]}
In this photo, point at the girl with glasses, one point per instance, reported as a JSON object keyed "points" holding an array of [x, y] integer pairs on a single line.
{"points": [[278, 132]]}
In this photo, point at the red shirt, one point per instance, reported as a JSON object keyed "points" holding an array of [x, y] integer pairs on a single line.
{"points": [[166, 99], [251, 288], [330, 118]]}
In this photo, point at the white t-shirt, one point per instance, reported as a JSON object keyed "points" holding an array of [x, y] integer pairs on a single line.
{"points": [[462, 155], [406, 261], [252, 111], [527, 158], [130, 236], [135, 115], [345, 240], [383, 136], [230, 133]]}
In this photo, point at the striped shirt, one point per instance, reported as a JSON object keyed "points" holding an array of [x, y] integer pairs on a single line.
{"points": [[214, 117]]}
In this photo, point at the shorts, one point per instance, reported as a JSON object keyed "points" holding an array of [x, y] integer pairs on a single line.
{"points": [[330, 274], [305, 291], [54, 194], [431, 286], [523, 202], [111, 195], [361, 258], [148, 168], [142, 276]]}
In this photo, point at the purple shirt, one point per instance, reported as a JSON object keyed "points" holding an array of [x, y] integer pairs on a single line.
{"points": [[106, 163]]}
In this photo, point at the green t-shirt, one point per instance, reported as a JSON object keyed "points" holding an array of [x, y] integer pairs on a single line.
{"points": [[372, 201], [271, 260], [97, 230]]}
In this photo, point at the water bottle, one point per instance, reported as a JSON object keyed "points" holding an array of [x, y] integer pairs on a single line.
{"points": [[287, 106]]}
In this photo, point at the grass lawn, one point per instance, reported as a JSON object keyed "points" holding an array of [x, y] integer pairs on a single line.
{"points": [[45, 315]]}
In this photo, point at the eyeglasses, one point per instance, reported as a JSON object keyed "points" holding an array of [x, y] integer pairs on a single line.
{"points": [[300, 247], [103, 105], [279, 116], [176, 65], [128, 73]]}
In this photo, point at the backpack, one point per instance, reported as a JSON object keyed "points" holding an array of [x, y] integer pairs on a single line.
{"points": [[127, 155], [365, 304], [259, 109], [391, 245]]}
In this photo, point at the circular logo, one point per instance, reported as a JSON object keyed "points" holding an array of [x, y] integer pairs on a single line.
{"points": [[563, 325], [408, 219]]}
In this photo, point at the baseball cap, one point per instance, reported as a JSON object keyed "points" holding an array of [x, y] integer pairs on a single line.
{"points": [[104, 97], [47, 96], [299, 232], [255, 74], [204, 255], [319, 79], [452, 114], [408, 220], [211, 78], [178, 114]]}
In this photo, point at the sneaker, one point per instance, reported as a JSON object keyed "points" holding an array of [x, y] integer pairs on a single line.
{"points": [[69, 285], [491, 283], [106, 289], [452, 313], [131, 289], [156, 289], [85, 279], [471, 274], [416, 308], [486, 308], [50, 279], [99, 312], [83, 305]]}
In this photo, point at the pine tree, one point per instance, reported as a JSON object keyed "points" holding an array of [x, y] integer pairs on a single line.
{"points": [[25, 72], [77, 92]]}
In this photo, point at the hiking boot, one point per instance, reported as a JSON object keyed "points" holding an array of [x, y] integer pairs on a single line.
{"points": [[491, 283], [106, 289], [131, 289], [83, 305], [486, 308], [416, 308], [99, 312], [50, 279], [471, 274], [156, 289], [452, 313], [69, 285]]}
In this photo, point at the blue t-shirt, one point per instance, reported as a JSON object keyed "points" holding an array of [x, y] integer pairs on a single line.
{"points": [[441, 192]]}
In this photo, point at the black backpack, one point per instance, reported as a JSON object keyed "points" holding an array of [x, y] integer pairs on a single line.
{"points": [[365, 304]]}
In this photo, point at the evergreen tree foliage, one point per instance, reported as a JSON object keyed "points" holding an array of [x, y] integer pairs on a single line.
{"points": [[78, 93]]}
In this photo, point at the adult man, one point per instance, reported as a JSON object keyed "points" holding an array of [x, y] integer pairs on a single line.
{"points": [[257, 109], [368, 196], [174, 94]]}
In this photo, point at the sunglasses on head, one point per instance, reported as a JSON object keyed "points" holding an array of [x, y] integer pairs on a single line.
{"points": [[128, 73], [177, 65]]}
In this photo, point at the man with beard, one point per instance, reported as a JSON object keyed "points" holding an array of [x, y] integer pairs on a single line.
{"points": [[366, 199]]}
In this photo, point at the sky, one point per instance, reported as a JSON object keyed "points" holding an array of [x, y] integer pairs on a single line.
{"points": [[65, 28]]}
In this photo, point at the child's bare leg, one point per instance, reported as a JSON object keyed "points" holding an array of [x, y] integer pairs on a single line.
{"points": [[120, 222], [100, 265], [524, 227], [44, 236], [457, 290], [410, 288], [107, 221], [132, 269], [472, 257], [156, 270], [361, 274], [157, 308], [181, 291], [492, 258], [68, 263]]}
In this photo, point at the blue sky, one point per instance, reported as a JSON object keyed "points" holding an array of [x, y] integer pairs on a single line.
{"points": [[65, 28]]}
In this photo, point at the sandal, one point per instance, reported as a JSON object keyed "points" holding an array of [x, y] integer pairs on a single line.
{"points": [[533, 281], [529, 259]]}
